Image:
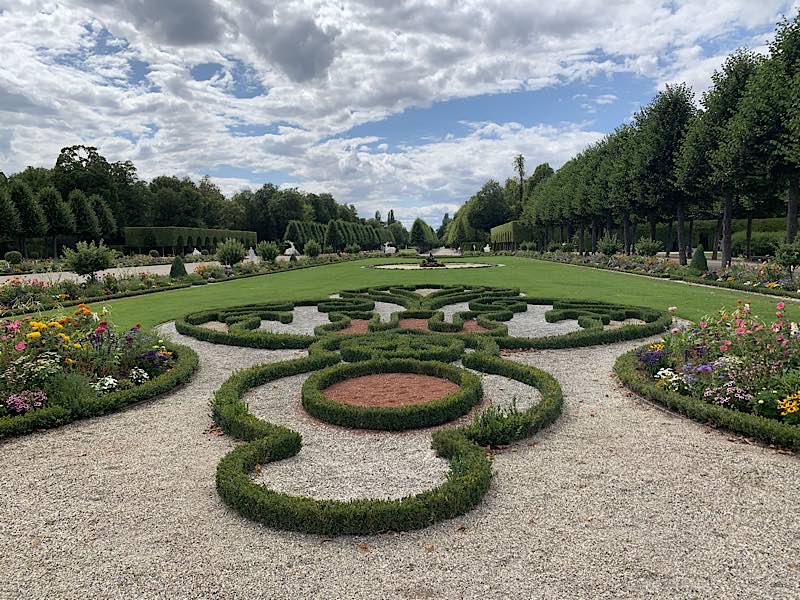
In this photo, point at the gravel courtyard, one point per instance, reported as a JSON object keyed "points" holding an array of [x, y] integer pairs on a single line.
{"points": [[617, 499]]}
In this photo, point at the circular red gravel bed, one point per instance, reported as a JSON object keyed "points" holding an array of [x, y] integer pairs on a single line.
{"points": [[356, 326], [389, 390]]}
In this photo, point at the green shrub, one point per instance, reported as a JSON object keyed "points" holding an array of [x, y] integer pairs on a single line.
{"points": [[231, 251], [154, 254], [313, 249], [647, 247], [88, 258], [788, 256], [609, 244], [699, 263], [267, 251], [13, 257], [352, 249], [177, 270], [568, 246], [762, 243]]}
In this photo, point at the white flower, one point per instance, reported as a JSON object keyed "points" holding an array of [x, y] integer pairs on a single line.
{"points": [[105, 385], [138, 376]]}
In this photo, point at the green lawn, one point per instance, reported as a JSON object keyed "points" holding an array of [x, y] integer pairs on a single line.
{"points": [[535, 278]]}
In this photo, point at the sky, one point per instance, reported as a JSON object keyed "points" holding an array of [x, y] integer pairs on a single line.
{"points": [[406, 105]]}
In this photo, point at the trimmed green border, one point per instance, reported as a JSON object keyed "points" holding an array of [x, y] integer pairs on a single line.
{"points": [[426, 414], [768, 431]]}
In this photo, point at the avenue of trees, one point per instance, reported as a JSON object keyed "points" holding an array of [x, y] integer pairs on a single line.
{"points": [[737, 155], [86, 197]]}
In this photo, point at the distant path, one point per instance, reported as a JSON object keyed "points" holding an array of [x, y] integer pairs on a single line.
{"points": [[55, 276]]}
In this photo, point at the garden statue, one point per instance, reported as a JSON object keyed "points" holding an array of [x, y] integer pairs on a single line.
{"points": [[196, 252], [487, 248], [291, 250], [251, 255], [388, 250]]}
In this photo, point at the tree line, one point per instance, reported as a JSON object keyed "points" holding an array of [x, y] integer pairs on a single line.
{"points": [[86, 197], [737, 155]]}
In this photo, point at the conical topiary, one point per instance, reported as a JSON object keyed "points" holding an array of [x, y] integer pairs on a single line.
{"points": [[699, 262], [178, 269]]}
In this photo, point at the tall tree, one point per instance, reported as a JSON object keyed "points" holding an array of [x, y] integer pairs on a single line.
{"points": [[60, 220], [9, 216], [489, 207], [662, 126], [86, 225], [105, 217], [32, 220], [519, 167]]}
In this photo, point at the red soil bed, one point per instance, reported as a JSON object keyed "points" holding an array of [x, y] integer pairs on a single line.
{"points": [[390, 390], [472, 326], [420, 324], [356, 326]]}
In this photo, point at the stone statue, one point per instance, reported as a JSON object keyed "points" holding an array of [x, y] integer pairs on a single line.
{"points": [[291, 250], [251, 255], [196, 252], [487, 248], [388, 250]]}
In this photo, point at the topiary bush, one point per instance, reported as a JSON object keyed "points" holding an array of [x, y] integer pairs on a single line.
{"points": [[788, 256], [154, 254], [230, 251], [88, 259], [313, 249], [352, 249], [267, 251], [177, 270], [699, 263], [13, 257], [609, 245], [647, 247]]}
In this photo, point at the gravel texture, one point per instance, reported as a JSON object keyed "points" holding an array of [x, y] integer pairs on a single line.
{"points": [[450, 309], [618, 499], [385, 309], [305, 319], [531, 323]]}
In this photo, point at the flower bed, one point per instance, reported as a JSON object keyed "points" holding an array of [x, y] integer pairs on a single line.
{"points": [[59, 369], [732, 368]]}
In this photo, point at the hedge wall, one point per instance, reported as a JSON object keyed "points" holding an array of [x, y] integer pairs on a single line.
{"points": [[183, 237]]}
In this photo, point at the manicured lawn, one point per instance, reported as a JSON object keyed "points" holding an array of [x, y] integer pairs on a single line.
{"points": [[535, 278]]}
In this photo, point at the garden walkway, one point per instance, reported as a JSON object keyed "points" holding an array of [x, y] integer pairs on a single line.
{"points": [[617, 499], [116, 271]]}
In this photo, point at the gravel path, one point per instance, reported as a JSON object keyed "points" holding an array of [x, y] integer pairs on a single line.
{"points": [[617, 500], [531, 323], [305, 319], [385, 309], [56, 276]]}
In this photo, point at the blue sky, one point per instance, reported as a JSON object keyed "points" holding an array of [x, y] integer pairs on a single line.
{"points": [[409, 105]]}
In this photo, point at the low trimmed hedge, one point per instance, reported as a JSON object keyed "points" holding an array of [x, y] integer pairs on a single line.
{"points": [[760, 428], [84, 408], [425, 414], [417, 347]]}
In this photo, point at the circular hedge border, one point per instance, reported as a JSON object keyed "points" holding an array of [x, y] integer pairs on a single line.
{"points": [[425, 414], [760, 428]]}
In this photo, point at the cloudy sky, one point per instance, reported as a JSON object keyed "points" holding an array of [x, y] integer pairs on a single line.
{"points": [[403, 104]]}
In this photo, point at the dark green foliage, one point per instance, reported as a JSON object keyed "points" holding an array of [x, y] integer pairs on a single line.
{"points": [[60, 220], [699, 263], [87, 227], [32, 220], [768, 431], [105, 216], [313, 249], [647, 247], [177, 270], [267, 251], [609, 245], [13, 257], [167, 237]]}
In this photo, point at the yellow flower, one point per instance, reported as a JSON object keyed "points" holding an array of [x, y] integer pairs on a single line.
{"points": [[64, 337], [33, 335], [790, 404], [37, 325], [55, 325], [657, 347], [76, 346], [69, 361]]}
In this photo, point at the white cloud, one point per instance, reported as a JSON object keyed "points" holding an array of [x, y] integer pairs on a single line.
{"points": [[328, 66]]}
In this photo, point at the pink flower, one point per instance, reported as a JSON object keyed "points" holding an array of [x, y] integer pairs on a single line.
{"points": [[780, 305], [741, 330], [776, 327], [13, 325], [675, 330], [20, 346], [703, 324], [724, 348]]}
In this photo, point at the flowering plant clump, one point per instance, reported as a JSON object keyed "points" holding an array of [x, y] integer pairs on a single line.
{"points": [[732, 359], [50, 360]]}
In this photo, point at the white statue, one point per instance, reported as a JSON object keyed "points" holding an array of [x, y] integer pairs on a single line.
{"points": [[196, 252], [388, 250], [487, 248], [291, 250], [251, 255]]}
